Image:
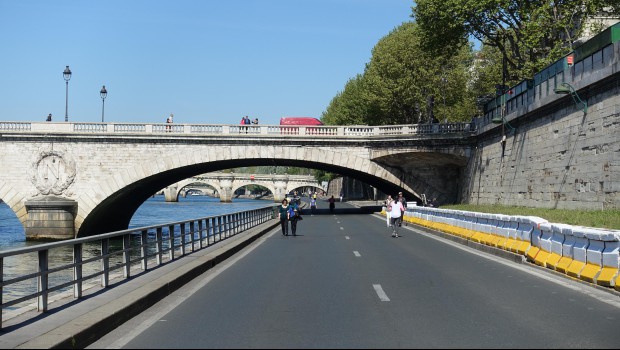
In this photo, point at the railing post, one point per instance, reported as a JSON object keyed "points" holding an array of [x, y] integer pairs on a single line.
{"points": [[171, 242], [43, 280], [192, 227], [218, 225], [143, 249], [159, 245], [183, 239], [77, 270], [200, 230], [127, 255], [105, 262]]}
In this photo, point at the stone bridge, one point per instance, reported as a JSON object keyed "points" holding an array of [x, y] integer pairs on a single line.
{"points": [[225, 184], [67, 180]]}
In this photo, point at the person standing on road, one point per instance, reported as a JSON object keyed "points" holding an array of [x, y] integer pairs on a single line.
{"points": [[395, 212], [332, 203], [283, 217], [403, 209], [313, 205]]}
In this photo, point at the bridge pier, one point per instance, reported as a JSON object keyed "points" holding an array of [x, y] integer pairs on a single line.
{"points": [[50, 218], [280, 190], [226, 189], [170, 194]]}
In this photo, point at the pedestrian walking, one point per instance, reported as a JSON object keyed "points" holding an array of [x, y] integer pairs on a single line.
{"points": [[313, 205], [387, 204], [283, 217], [403, 203], [395, 212], [294, 215], [49, 118]]}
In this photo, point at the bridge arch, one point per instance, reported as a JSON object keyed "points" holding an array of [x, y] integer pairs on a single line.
{"points": [[118, 198], [235, 185]]}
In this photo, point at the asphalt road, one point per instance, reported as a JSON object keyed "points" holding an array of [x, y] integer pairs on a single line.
{"points": [[343, 282]]}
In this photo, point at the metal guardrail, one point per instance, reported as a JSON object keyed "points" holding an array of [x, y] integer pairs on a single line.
{"points": [[131, 250], [250, 130]]}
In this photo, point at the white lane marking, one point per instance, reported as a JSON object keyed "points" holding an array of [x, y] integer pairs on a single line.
{"points": [[380, 292], [356, 253], [347, 237], [342, 228]]}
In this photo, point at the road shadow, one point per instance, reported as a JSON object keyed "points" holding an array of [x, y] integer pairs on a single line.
{"points": [[370, 209]]}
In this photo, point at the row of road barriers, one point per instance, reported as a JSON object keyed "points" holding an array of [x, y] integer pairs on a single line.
{"points": [[585, 253]]}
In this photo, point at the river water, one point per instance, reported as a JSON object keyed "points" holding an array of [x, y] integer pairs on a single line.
{"points": [[154, 211]]}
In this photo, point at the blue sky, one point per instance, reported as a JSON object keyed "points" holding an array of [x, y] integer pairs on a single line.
{"points": [[205, 61]]}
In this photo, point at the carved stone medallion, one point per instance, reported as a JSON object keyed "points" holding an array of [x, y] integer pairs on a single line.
{"points": [[53, 172]]}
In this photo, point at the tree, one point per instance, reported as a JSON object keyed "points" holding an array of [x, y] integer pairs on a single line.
{"points": [[351, 106], [529, 34], [399, 79]]}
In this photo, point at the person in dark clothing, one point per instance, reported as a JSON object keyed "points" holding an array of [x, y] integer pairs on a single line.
{"points": [[332, 203], [402, 201], [283, 217]]}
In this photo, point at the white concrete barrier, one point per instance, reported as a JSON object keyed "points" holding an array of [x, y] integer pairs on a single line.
{"points": [[590, 254]]}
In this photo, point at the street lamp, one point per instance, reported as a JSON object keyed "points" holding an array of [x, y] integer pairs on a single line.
{"points": [[103, 94], [67, 75], [565, 89]]}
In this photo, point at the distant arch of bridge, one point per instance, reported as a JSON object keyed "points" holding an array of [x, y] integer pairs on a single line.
{"points": [[225, 184]]}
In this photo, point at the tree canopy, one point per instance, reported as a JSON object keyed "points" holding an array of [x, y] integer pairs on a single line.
{"points": [[529, 34], [399, 82]]}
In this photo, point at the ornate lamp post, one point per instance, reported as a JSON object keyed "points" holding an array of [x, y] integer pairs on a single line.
{"points": [[103, 94], [67, 75]]}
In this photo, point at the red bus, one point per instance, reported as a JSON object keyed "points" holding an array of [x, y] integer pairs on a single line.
{"points": [[299, 121]]}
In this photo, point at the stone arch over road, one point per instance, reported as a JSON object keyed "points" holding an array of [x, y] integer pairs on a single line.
{"points": [[131, 189]]}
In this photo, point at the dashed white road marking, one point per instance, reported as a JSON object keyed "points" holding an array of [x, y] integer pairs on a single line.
{"points": [[347, 237], [356, 253], [380, 292]]}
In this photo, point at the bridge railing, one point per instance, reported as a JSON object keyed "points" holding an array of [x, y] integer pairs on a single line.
{"points": [[214, 129], [37, 273]]}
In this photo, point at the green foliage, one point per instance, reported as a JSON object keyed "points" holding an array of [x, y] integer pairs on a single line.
{"points": [[321, 176], [530, 35], [398, 81]]}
